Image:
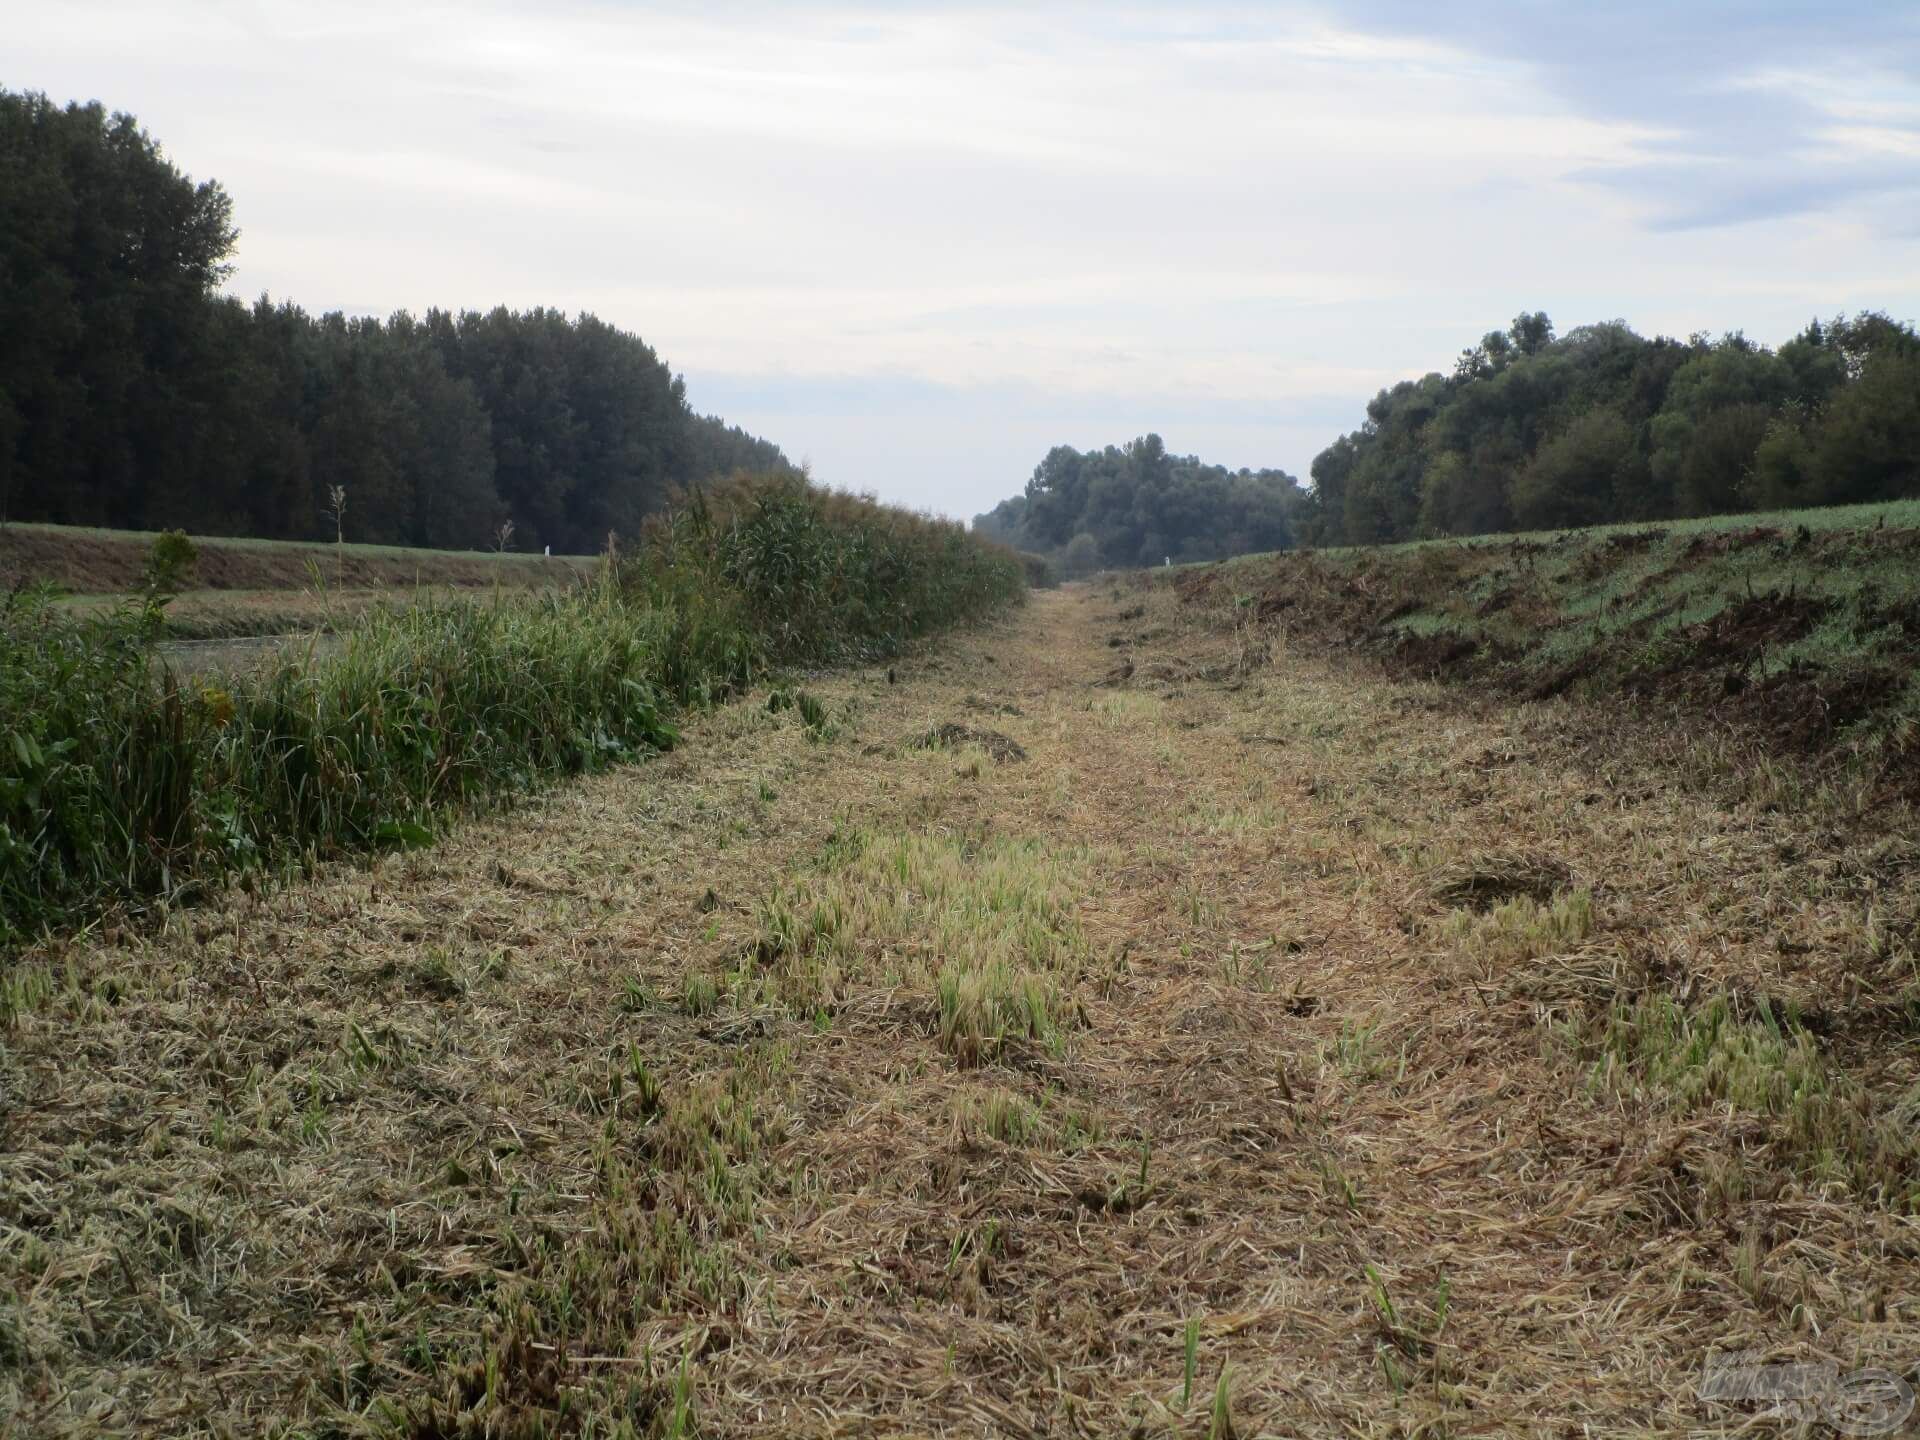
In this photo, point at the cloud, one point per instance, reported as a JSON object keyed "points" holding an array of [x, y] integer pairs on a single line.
{"points": [[1744, 99]]}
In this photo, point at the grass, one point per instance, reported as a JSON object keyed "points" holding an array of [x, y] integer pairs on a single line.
{"points": [[1752, 1058], [982, 926], [91, 562], [143, 540]]}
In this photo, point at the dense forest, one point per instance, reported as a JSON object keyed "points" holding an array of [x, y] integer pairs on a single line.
{"points": [[133, 394], [1600, 424], [1138, 505]]}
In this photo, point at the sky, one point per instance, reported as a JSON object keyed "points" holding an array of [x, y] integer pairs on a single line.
{"points": [[918, 245]]}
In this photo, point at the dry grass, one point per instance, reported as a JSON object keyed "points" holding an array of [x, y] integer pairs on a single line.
{"points": [[1278, 1052]]}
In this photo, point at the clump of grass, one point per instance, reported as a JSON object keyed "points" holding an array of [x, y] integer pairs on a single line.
{"points": [[987, 926], [999, 1114], [1758, 1059], [810, 709], [1521, 929], [981, 1009], [700, 995]]}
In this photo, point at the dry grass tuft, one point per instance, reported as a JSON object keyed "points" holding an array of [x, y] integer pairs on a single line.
{"points": [[1002, 748]]}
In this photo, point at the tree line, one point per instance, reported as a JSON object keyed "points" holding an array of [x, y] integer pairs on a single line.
{"points": [[134, 395], [1534, 431], [1138, 505]]}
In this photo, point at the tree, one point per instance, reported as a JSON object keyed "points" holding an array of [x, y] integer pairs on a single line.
{"points": [[110, 256], [1139, 504], [1866, 445], [1531, 332], [1571, 479], [132, 394], [1080, 557], [1602, 424]]}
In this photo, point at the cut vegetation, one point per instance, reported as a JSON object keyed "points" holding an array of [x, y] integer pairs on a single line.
{"points": [[1278, 1047], [1802, 627]]}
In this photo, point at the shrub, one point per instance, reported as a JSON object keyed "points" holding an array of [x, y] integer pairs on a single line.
{"points": [[171, 563], [822, 576], [1039, 571]]}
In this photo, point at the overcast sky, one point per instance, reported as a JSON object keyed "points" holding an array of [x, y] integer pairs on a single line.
{"points": [[919, 244]]}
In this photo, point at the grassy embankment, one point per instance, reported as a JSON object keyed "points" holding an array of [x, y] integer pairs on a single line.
{"points": [[239, 587], [120, 781], [1802, 627]]}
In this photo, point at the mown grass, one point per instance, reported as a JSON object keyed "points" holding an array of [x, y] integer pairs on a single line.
{"points": [[983, 927], [121, 781]]}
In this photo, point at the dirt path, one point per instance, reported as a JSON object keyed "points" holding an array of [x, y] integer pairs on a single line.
{"points": [[1193, 1040]]}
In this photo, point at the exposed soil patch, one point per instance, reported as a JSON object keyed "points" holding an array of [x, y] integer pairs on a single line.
{"points": [[1742, 634]]}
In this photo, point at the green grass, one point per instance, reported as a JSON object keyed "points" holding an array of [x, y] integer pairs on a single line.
{"points": [[1755, 1058], [987, 928]]}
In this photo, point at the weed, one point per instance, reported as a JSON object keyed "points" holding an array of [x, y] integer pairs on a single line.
{"points": [[1220, 1420], [1190, 1353], [700, 994]]}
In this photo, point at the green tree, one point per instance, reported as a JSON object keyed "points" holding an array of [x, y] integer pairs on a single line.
{"points": [[1570, 480]]}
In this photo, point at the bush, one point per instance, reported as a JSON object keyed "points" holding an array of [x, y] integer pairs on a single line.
{"points": [[171, 563], [819, 576], [1039, 571]]}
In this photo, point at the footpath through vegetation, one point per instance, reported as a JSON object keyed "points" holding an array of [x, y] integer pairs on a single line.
{"points": [[1108, 1023]]}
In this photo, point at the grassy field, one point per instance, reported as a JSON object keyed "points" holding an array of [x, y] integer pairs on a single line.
{"points": [[1198, 1035]]}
